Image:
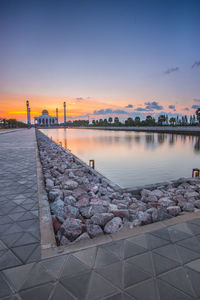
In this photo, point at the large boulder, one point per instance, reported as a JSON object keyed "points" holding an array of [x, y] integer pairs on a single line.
{"points": [[157, 193], [69, 200], [173, 210], [71, 228], [94, 230], [113, 225], [122, 213], [197, 203], [101, 219], [71, 211], [70, 184], [144, 217]]}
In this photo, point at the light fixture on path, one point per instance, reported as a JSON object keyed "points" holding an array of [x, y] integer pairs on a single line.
{"points": [[195, 172]]}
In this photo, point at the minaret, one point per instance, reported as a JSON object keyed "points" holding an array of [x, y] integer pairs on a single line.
{"points": [[28, 113], [57, 114], [64, 113]]}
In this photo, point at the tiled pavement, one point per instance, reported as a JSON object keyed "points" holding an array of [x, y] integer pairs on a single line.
{"points": [[162, 264]]}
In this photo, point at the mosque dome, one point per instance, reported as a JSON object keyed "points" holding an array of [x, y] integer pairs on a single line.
{"points": [[45, 112]]}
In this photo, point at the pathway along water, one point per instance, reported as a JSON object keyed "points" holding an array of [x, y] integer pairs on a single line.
{"points": [[133, 158]]}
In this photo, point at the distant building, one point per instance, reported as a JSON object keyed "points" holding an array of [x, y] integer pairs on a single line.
{"points": [[45, 119]]}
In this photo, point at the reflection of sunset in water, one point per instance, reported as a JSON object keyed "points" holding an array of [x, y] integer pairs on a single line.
{"points": [[132, 158]]}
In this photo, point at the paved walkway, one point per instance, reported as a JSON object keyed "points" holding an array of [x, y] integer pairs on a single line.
{"points": [[162, 264]]}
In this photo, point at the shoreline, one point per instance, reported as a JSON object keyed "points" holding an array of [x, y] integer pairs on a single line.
{"points": [[162, 129], [85, 204]]}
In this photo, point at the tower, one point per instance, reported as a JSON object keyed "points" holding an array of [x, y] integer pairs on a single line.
{"points": [[64, 113], [57, 114], [28, 113]]}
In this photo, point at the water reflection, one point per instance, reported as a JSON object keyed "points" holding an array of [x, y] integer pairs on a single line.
{"points": [[132, 158]]}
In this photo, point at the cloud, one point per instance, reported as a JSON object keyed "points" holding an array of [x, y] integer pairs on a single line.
{"points": [[153, 105], [196, 100], [129, 106], [141, 109], [109, 111], [186, 108], [196, 64], [79, 99], [172, 107], [195, 106], [171, 70]]}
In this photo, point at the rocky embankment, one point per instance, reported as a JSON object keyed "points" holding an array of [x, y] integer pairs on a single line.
{"points": [[85, 204]]}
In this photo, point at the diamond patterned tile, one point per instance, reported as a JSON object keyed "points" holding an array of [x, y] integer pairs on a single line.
{"points": [[131, 249], [191, 244], [4, 288], [143, 261], [178, 278], [162, 233], [167, 292], [24, 252], [144, 291], [163, 264], [186, 255], [155, 242], [104, 258], [133, 275], [77, 285], [60, 293], [113, 273], [168, 251], [99, 287], [87, 256], [116, 248], [9, 260], [73, 267], [54, 265], [39, 292]]}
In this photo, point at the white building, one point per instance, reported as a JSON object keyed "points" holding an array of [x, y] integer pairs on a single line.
{"points": [[45, 119]]}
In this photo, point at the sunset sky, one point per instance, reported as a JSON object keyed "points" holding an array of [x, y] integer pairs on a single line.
{"points": [[103, 57]]}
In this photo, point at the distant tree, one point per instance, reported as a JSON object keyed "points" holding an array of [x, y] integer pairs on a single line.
{"points": [[110, 120], [129, 122], [105, 122], [137, 121], [161, 119], [116, 121], [172, 120], [93, 122], [150, 121], [198, 114], [101, 122]]}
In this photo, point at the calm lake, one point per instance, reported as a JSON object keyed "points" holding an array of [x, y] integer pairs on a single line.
{"points": [[132, 158]]}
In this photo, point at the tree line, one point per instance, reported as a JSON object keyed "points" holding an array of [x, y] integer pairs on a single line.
{"points": [[11, 123]]}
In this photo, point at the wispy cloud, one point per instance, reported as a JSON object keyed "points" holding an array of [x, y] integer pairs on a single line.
{"points": [[109, 111], [195, 106], [129, 106], [172, 107], [196, 100], [153, 106], [79, 98], [171, 70], [196, 64]]}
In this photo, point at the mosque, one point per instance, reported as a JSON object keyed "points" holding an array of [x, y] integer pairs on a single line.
{"points": [[45, 119]]}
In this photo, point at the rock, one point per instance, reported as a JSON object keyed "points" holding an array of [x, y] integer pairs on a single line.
{"points": [[133, 206], [99, 209], [197, 203], [150, 198], [144, 217], [173, 210], [56, 224], [71, 228], [83, 236], [71, 211], [189, 195], [165, 201], [79, 192], [188, 207], [57, 205], [69, 200], [145, 193], [53, 194], [64, 241], [49, 183], [94, 230], [83, 202], [86, 212], [94, 189], [99, 202], [70, 184], [101, 219], [122, 213], [157, 193], [113, 225]]}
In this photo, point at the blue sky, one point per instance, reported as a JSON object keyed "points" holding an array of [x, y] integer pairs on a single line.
{"points": [[111, 52]]}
